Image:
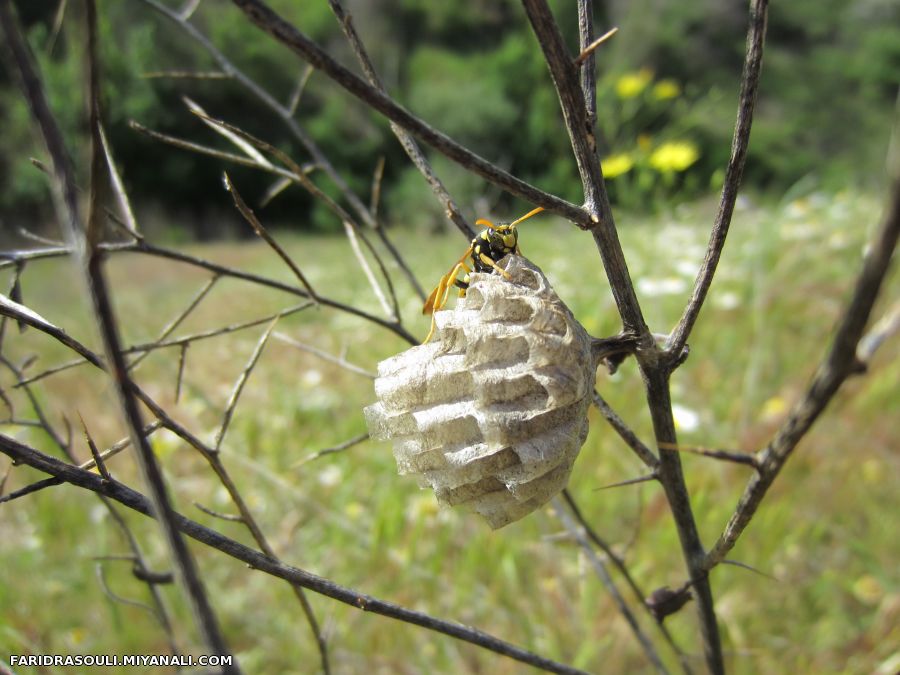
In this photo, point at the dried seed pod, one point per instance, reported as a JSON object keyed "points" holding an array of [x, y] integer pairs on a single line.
{"points": [[493, 411]]}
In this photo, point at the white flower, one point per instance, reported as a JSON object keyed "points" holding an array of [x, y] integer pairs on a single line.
{"points": [[665, 286], [331, 476], [687, 267], [685, 418], [312, 377], [726, 300]]}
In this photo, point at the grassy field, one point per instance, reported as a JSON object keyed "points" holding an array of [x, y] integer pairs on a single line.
{"points": [[826, 536]]}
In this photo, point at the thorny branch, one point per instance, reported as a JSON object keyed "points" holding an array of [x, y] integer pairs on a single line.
{"points": [[839, 364], [158, 607], [268, 20], [619, 563], [286, 114], [600, 568], [406, 140], [655, 372], [574, 82], [83, 241], [14, 310], [756, 38], [14, 257], [267, 564]]}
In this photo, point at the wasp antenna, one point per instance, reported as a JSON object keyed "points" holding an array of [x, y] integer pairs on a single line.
{"points": [[528, 215], [485, 223]]}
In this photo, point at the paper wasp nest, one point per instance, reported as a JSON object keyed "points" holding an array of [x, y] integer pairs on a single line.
{"points": [[493, 411]]}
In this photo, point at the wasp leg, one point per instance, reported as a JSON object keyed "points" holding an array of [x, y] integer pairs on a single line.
{"points": [[431, 330], [440, 295], [463, 284], [431, 304], [488, 261], [459, 266]]}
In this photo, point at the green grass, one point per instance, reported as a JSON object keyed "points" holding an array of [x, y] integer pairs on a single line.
{"points": [[826, 531]]}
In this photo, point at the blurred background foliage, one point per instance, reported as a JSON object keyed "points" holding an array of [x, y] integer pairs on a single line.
{"points": [[667, 87]]}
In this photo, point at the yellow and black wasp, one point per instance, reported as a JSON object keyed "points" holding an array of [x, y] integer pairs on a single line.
{"points": [[489, 247]]}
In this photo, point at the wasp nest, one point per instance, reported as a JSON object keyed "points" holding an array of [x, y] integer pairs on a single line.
{"points": [[493, 411]]}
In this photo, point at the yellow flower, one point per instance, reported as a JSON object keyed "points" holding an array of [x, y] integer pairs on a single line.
{"points": [[674, 156], [354, 510], [774, 408], [868, 590], [616, 165], [632, 84], [666, 89]]}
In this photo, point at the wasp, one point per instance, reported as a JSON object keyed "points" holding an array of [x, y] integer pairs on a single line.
{"points": [[487, 249]]}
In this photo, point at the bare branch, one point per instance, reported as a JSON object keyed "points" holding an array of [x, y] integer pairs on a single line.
{"points": [[325, 356], [57, 24], [340, 447], [148, 347], [119, 446], [377, 176], [756, 37], [287, 117], [603, 574], [350, 226], [839, 364], [95, 453], [886, 327], [631, 440], [654, 366], [171, 254], [174, 323], [165, 420], [279, 186], [267, 100], [245, 146], [266, 19], [101, 577], [80, 239], [221, 516], [124, 495], [263, 234], [37, 486], [584, 146], [129, 221], [620, 565], [294, 101], [586, 62], [239, 385], [5, 478], [406, 140], [190, 146], [190, 6], [186, 75], [179, 378]]}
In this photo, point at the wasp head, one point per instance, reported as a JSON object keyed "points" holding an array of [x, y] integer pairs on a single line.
{"points": [[503, 237]]}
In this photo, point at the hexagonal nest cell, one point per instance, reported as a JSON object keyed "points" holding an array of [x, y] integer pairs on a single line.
{"points": [[493, 411]]}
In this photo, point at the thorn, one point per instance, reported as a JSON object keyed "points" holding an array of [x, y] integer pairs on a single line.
{"points": [[583, 56], [726, 455], [745, 566], [630, 481]]}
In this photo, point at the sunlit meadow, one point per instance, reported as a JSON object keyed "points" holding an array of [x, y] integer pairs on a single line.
{"points": [[827, 598]]}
